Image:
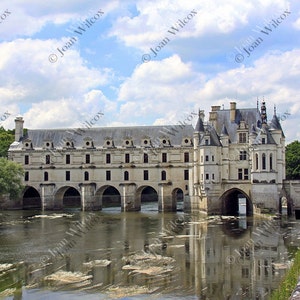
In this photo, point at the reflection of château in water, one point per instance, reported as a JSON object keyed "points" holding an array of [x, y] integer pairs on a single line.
{"points": [[212, 261], [235, 155]]}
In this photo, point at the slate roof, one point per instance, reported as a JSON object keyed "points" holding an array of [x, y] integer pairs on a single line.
{"points": [[175, 133]]}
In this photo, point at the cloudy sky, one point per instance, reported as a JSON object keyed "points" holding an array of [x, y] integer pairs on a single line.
{"points": [[147, 62]]}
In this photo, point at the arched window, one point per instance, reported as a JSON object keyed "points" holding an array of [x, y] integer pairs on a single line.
{"points": [[126, 175], [86, 176], [163, 175], [263, 161], [146, 158], [46, 176], [271, 162], [256, 161]]}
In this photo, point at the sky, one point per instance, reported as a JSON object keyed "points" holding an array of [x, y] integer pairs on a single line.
{"points": [[147, 62]]}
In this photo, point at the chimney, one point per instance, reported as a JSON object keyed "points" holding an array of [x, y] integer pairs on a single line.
{"points": [[18, 128], [232, 111]]}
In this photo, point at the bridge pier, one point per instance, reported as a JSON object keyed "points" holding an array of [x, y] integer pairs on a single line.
{"points": [[166, 201], [48, 196], [88, 199], [129, 201]]}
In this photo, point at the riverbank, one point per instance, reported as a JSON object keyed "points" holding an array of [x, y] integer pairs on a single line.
{"points": [[287, 288]]}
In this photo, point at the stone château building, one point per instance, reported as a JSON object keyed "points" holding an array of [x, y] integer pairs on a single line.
{"points": [[235, 159]]}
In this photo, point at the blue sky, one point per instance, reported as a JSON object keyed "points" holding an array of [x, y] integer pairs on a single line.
{"points": [[206, 54]]}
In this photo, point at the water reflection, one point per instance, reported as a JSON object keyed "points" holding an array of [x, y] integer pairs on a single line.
{"points": [[136, 255]]}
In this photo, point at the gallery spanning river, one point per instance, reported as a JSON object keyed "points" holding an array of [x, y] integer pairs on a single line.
{"points": [[141, 255]]}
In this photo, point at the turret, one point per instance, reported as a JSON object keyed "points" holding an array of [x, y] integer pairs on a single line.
{"points": [[18, 128]]}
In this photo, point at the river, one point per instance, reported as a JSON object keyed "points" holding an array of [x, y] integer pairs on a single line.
{"points": [[141, 255]]}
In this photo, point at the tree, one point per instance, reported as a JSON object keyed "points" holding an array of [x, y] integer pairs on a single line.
{"points": [[6, 138], [292, 159], [11, 174]]}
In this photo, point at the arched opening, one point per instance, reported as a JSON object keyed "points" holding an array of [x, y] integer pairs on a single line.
{"points": [[71, 198], [236, 203], [149, 198], [111, 197], [31, 199], [178, 197]]}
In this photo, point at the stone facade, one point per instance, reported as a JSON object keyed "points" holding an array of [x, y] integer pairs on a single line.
{"points": [[234, 159]]}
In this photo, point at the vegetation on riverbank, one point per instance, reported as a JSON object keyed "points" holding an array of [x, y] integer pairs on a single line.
{"points": [[289, 282]]}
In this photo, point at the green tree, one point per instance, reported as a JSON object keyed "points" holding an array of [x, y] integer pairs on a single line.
{"points": [[292, 159], [6, 138], [11, 174]]}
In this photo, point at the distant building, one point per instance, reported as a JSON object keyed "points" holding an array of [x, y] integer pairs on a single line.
{"points": [[231, 163]]}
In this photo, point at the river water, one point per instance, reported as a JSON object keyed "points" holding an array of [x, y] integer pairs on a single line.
{"points": [[141, 255]]}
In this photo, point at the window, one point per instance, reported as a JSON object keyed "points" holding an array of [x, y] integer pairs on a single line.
{"points": [[163, 175], [126, 176], [86, 176], [87, 158], [186, 175], [213, 176], [127, 158], [164, 157], [146, 175], [68, 175], [271, 162], [263, 161], [26, 176], [256, 161], [206, 142], [108, 158], [47, 159], [207, 176], [146, 158], [242, 137], [240, 174], [245, 272], [263, 140], [108, 175], [26, 159], [186, 157], [46, 177], [68, 159], [213, 158], [201, 158], [243, 155], [243, 174], [206, 158]]}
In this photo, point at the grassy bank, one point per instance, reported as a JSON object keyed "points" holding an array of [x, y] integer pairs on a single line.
{"points": [[289, 282]]}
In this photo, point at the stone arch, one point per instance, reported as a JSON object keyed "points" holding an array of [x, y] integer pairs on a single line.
{"points": [[31, 198], [109, 196], [67, 197], [178, 197], [230, 202], [146, 194]]}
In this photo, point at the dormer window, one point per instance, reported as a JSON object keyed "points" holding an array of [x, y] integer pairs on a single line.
{"points": [[48, 144], [146, 142], [27, 144], [128, 142], [69, 144], [165, 142], [88, 143], [187, 142], [242, 137], [108, 143]]}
